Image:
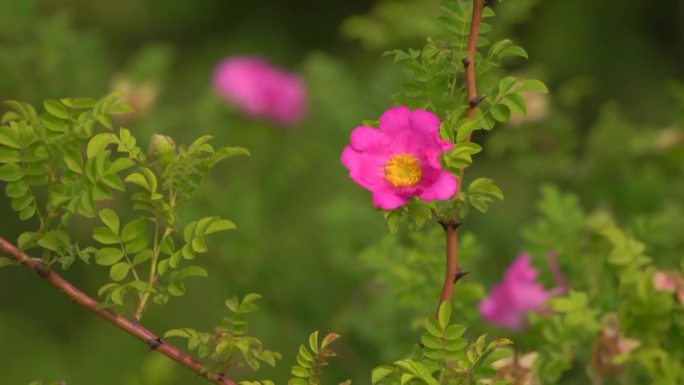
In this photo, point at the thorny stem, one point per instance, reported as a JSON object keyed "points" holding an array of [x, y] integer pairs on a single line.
{"points": [[133, 328], [450, 229]]}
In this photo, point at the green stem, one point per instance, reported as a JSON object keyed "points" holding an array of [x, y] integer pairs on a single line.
{"points": [[153, 270]]}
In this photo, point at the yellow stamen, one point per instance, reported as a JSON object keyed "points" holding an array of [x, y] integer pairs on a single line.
{"points": [[403, 170]]}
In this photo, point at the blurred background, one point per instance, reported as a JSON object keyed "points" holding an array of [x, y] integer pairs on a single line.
{"points": [[308, 239]]}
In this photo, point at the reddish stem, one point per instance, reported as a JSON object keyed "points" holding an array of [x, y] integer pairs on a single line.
{"points": [[134, 328], [473, 100], [451, 263]]}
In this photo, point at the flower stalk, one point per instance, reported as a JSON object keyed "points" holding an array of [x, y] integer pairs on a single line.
{"points": [[473, 101]]}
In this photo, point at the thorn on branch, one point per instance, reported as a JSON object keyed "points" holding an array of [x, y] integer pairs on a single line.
{"points": [[460, 274], [474, 102], [154, 343], [41, 271], [466, 62], [449, 225]]}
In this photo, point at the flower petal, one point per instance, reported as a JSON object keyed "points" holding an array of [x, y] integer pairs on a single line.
{"points": [[442, 189], [395, 119], [425, 121], [388, 200], [364, 169], [367, 139]]}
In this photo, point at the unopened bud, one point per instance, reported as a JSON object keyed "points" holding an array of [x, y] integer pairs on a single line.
{"points": [[162, 149]]}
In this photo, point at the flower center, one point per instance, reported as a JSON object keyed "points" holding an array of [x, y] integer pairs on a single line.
{"points": [[403, 170]]}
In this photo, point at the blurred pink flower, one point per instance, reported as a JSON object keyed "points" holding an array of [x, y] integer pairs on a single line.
{"points": [[400, 159], [669, 282], [261, 90], [518, 294]]}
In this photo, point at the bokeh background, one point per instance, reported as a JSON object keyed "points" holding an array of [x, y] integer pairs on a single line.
{"points": [[308, 239]]}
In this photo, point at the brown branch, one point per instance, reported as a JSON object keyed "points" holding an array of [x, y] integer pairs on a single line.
{"points": [[473, 100], [134, 328], [451, 262]]}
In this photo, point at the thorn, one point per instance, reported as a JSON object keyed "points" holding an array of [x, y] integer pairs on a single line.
{"points": [[465, 62], [451, 224], [42, 272], [474, 102], [460, 274], [154, 343]]}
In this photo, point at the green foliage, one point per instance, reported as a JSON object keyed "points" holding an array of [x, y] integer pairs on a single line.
{"points": [[568, 333], [311, 359], [445, 356], [436, 82], [68, 161], [410, 271], [611, 273], [229, 346]]}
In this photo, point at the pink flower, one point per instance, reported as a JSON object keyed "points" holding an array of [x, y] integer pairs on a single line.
{"points": [[400, 159], [261, 90], [518, 294], [663, 281], [669, 282]]}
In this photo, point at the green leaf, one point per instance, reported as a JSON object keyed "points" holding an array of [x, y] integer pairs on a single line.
{"points": [[444, 314], [380, 372], [184, 333], [9, 137], [28, 240], [193, 271], [56, 108], [139, 179], [251, 297], [137, 244], [79, 102], [433, 327], [516, 103], [99, 142], [305, 354], [313, 341], [142, 257], [300, 371], [119, 165], [55, 240], [8, 155], [27, 212], [500, 112], [220, 225], [17, 189], [513, 50], [454, 332], [110, 219], [119, 271], [74, 161], [11, 172], [199, 245], [532, 85], [297, 381], [485, 186], [108, 256], [133, 230]]}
